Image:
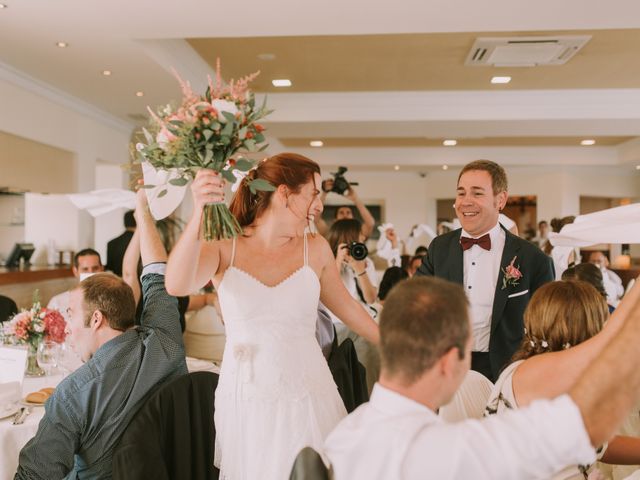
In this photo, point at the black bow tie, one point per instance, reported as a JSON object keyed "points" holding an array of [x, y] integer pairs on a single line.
{"points": [[484, 242]]}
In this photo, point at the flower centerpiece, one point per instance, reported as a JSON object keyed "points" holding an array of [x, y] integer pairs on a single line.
{"points": [[207, 131], [32, 326]]}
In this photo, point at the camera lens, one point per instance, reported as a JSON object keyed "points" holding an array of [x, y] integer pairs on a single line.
{"points": [[358, 251]]}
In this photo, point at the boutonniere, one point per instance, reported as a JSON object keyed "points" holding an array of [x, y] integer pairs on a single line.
{"points": [[512, 274]]}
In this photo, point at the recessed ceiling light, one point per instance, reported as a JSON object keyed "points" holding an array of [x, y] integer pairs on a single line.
{"points": [[139, 94], [266, 56], [106, 73], [450, 143], [587, 142], [500, 79], [281, 82], [445, 167], [396, 168], [316, 143], [637, 167], [62, 44], [2, 5]]}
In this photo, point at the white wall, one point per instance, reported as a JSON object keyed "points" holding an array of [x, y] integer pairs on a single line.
{"points": [[109, 225], [33, 110]]}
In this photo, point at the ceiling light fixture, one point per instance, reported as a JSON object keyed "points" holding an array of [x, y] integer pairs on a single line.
{"points": [[445, 167], [637, 167], [396, 168], [588, 142], [139, 94], [2, 5], [281, 82], [500, 79], [450, 143], [316, 143], [106, 73], [62, 44]]}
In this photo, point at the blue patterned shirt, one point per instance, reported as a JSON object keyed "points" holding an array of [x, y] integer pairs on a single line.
{"points": [[92, 407]]}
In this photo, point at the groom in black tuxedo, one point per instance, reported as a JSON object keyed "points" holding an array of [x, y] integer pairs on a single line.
{"points": [[499, 271]]}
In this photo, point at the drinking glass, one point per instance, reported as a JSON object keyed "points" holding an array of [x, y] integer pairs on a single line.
{"points": [[48, 355]]}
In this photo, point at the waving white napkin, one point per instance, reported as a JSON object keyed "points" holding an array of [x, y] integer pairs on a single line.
{"points": [[162, 206], [99, 202], [613, 225]]}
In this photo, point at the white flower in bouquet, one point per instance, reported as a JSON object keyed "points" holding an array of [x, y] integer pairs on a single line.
{"points": [[224, 106]]}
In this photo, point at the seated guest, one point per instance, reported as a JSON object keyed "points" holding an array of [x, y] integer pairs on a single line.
{"points": [[390, 278], [610, 279], [559, 316], [91, 408], [85, 263], [117, 246], [425, 348], [588, 272], [8, 308]]}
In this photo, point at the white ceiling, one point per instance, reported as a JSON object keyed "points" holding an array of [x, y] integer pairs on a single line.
{"points": [[140, 40]]}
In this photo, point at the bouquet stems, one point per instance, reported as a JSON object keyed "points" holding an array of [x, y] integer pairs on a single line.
{"points": [[218, 223]]}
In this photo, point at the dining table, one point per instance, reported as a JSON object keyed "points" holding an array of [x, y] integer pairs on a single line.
{"points": [[14, 437]]}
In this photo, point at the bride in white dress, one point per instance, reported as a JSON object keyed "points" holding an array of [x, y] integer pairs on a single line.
{"points": [[276, 394]]}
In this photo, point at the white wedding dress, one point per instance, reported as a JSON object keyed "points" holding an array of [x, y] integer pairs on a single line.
{"points": [[275, 394]]}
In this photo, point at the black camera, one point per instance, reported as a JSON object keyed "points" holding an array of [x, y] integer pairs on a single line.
{"points": [[358, 251], [340, 184]]}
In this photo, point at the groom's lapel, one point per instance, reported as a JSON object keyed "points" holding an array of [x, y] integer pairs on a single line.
{"points": [[454, 260], [511, 247]]}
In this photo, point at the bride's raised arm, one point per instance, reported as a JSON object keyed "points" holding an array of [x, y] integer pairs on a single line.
{"points": [[335, 296], [193, 262]]}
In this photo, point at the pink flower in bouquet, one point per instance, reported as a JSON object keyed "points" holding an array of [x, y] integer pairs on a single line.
{"points": [[55, 326], [21, 323]]}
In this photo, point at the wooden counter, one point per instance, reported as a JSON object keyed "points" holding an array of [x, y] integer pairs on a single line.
{"points": [[19, 285], [11, 276]]}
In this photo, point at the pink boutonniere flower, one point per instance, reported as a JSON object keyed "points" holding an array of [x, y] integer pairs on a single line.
{"points": [[512, 274]]}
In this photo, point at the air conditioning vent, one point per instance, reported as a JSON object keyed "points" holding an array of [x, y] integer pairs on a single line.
{"points": [[524, 51]]}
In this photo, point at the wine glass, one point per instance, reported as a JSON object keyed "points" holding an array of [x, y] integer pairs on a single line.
{"points": [[47, 355], [68, 359]]}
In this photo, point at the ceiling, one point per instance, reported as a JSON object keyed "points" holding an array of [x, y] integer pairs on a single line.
{"points": [[372, 82]]}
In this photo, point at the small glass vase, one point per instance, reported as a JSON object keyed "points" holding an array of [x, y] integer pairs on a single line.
{"points": [[33, 369]]}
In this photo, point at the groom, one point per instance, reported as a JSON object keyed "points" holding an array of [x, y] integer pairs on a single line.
{"points": [[499, 271]]}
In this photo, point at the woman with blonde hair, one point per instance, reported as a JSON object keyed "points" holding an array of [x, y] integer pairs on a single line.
{"points": [[566, 325], [276, 394]]}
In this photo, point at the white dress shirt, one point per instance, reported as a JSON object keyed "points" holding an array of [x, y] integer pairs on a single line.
{"points": [[613, 286], [349, 280], [60, 302], [395, 437], [481, 269]]}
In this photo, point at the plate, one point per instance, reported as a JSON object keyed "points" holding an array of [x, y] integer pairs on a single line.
{"points": [[10, 412]]}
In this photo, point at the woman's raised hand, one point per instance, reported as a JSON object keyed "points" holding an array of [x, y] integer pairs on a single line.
{"points": [[207, 187]]}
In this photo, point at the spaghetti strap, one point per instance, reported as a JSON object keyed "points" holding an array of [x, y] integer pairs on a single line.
{"points": [[306, 250], [233, 251]]}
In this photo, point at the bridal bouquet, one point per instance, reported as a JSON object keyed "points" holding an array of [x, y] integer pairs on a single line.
{"points": [[207, 131], [36, 324]]}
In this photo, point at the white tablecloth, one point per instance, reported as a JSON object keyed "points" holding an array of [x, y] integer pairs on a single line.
{"points": [[14, 437]]}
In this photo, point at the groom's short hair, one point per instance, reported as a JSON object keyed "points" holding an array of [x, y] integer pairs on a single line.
{"points": [[499, 181], [422, 319]]}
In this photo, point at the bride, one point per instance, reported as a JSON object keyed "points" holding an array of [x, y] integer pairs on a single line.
{"points": [[276, 394]]}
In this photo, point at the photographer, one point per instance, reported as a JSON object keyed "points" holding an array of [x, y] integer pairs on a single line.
{"points": [[358, 276], [339, 185]]}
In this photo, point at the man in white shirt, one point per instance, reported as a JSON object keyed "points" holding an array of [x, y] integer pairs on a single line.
{"points": [[425, 346], [85, 263], [499, 271], [611, 281]]}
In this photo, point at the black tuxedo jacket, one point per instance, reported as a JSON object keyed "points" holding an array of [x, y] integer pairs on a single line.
{"points": [[444, 260], [115, 252]]}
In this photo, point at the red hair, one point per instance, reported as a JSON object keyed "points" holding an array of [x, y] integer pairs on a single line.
{"points": [[288, 169]]}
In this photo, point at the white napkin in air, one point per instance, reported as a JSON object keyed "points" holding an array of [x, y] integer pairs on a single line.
{"points": [[162, 206], [99, 202]]}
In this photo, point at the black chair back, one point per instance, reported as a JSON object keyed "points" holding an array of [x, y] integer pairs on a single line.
{"points": [[309, 466], [173, 434]]}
